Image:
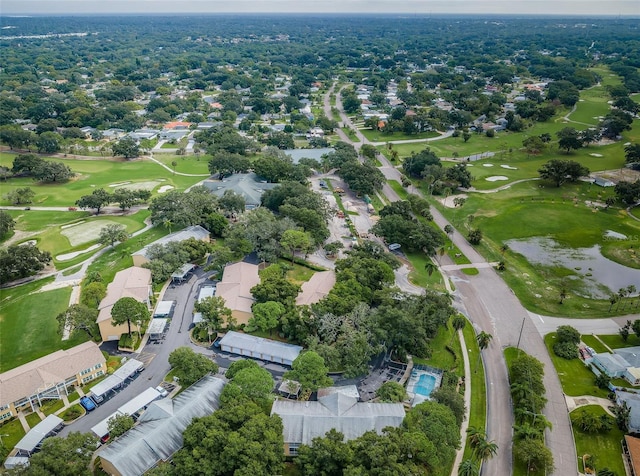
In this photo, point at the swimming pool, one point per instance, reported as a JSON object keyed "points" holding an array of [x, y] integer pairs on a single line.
{"points": [[425, 385], [423, 381]]}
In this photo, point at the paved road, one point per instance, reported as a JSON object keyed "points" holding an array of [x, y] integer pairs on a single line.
{"points": [[492, 307]]}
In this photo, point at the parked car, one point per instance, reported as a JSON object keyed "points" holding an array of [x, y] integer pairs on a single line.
{"points": [[162, 390], [87, 404]]}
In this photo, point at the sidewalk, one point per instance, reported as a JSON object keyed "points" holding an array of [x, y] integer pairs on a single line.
{"points": [[467, 404]]}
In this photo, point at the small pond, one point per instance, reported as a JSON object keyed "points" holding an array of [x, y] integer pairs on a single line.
{"points": [[599, 275]]}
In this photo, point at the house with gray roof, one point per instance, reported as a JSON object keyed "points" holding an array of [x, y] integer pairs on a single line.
{"points": [[304, 421], [158, 434], [632, 400], [246, 185], [259, 348]]}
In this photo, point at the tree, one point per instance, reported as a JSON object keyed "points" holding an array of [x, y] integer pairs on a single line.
{"points": [[459, 173], [254, 382], [475, 236], [266, 315], [214, 313], [92, 294], [7, 223], [127, 309], [468, 467], [48, 142], [483, 339], [20, 196], [568, 139], [238, 439], [449, 396], [112, 233], [391, 392], [310, 371], [326, 455], [534, 454], [632, 155], [68, 456], [561, 171], [232, 202], [295, 240], [126, 147], [190, 367], [79, 317], [430, 267], [628, 192], [52, 172], [20, 261], [119, 424], [225, 164], [98, 199]]}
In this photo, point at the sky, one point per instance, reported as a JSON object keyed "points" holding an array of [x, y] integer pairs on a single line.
{"points": [[516, 7]]}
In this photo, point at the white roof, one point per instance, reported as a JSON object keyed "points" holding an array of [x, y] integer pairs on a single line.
{"points": [[304, 421], [259, 345], [38, 433], [205, 292], [102, 428], [157, 326], [13, 461], [163, 308], [119, 376], [141, 401], [197, 317]]}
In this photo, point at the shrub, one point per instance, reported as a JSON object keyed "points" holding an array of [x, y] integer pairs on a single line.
{"points": [[566, 350]]}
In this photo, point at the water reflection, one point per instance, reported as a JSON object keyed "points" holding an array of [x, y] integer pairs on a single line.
{"points": [[599, 275]]}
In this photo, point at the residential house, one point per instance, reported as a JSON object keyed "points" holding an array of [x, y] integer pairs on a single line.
{"points": [[316, 288], [246, 185], [632, 400], [235, 289], [49, 378], [195, 231], [631, 451], [304, 421], [132, 282], [158, 433]]}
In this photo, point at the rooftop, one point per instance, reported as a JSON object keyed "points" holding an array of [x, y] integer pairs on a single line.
{"points": [[235, 286], [131, 282], [158, 434], [195, 231], [43, 373], [316, 288], [260, 345], [247, 185]]}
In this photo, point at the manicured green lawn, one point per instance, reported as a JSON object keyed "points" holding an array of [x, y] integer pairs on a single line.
{"points": [[575, 377], [398, 188], [445, 352], [187, 164], [33, 419], [297, 273], [604, 447], [93, 174], [13, 431], [419, 275], [378, 136], [594, 343], [615, 341], [478, 411], [561, 213], [28, 324], [35, 220]]}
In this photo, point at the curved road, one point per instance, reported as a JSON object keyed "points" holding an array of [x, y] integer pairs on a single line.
{"points": [[492, 307]]}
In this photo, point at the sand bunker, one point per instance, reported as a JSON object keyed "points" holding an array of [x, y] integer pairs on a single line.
{"points": [[149, 185], [595, 155], [496, 178], [487, 165], [63, 227], [119, 184], [86, 232], [509, 167], [165, 188]]}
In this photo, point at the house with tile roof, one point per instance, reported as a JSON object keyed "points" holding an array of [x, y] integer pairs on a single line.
{"points": [[235, 289], [131, 282], [316, 288], [49, 378]]}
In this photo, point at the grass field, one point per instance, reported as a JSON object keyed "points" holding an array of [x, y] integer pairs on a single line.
{"points": [[29, 326], [616, 342], [187, 164], [478, 410], [33, 419], [93, 174], [379, 136], [12, 432], [561, 213], [604, 447], [594, 343], [575, 377]]}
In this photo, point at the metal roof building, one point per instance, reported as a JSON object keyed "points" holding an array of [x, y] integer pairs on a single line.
{"points": [[42, 430], [260, 348], [163, 309], [158, 434], [130, 408], [304, 421], [130, 367]]}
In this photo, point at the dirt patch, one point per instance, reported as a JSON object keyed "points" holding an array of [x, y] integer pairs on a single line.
{"points": [[85, 232], [149, 185]]}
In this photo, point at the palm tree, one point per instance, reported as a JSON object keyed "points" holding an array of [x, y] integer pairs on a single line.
{"points": [[474, 436], [486, 450], [458, 322], [430, 267], [504, 248], [483, 340], [468, 468], [448, 229]]}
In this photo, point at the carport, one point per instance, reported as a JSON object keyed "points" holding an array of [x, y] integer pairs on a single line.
{"points": [[259, 348], [183, 273], [156, 329], [29, 442], [163, 309], [129, 368]]}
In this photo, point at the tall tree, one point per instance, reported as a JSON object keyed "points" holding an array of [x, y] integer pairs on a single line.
{"points": [[561, 171], [126, 147], [310, 371], [97, 199], [190, 367], [128, 309], [79, 317], [214, 313], [112, 233], [69, 456]]}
